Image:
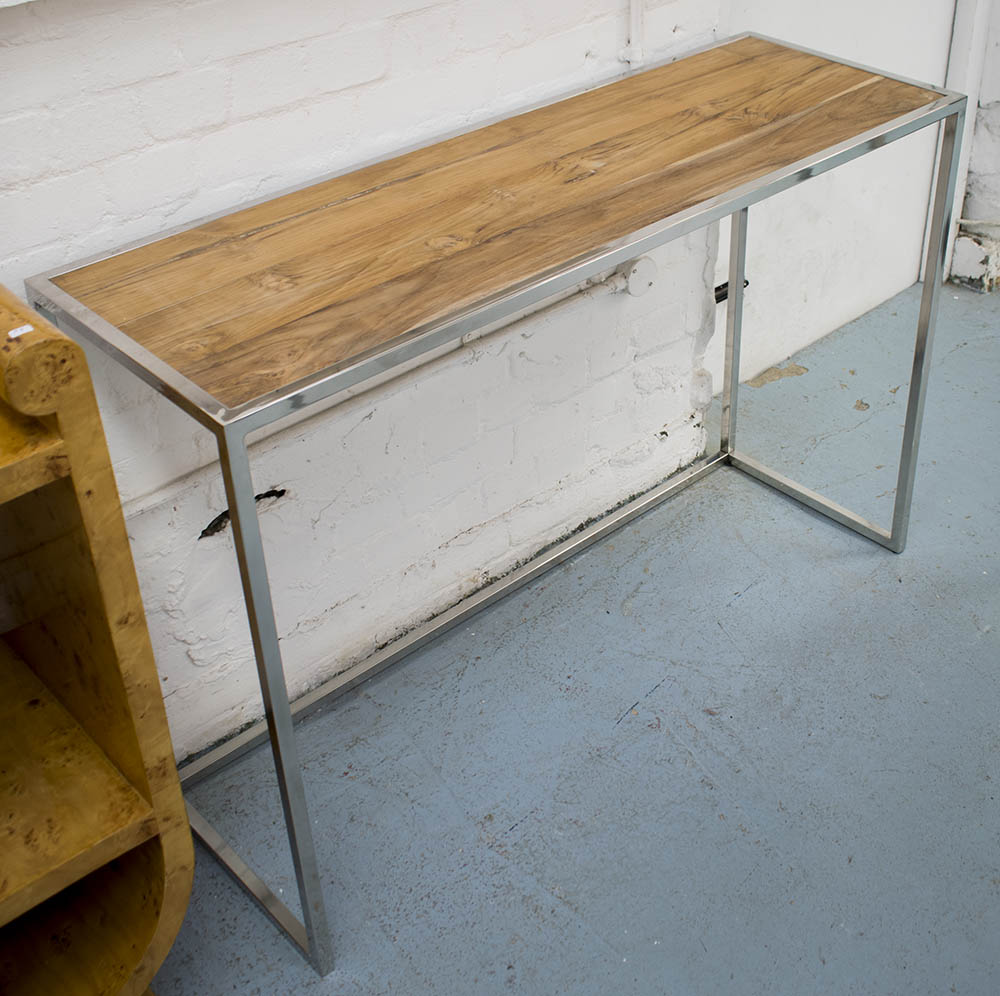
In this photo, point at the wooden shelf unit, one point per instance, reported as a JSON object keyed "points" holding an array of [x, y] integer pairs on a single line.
{"points": [[95, 851]]}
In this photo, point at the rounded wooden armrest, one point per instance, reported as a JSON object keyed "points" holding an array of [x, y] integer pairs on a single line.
{"points": [[37, 362]]}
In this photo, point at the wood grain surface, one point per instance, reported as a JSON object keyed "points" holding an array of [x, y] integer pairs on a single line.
{"points": [[87, 940], [65, 809], [30, 455], [86, 764], [275, 293]]}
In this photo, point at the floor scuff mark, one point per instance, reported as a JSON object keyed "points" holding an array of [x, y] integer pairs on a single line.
{"points": [[771, 374]]}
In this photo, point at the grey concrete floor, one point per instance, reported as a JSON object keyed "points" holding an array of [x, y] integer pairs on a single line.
{"points": [[734, 748]]}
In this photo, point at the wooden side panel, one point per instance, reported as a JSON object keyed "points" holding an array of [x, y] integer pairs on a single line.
{"points": [[87, 940], [69, 644], [66, 566]]}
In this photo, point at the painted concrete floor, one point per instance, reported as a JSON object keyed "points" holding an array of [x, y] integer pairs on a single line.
{"points": [[734, 748]]}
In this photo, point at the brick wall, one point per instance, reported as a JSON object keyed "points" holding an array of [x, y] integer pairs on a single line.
{"points": [[123, 119]]}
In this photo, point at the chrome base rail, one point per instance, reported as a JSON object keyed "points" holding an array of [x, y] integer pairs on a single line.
{"points": [[811, 499], [249, 880], [313, 936], [256, 734]]}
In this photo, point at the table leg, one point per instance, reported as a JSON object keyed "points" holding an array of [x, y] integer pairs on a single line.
{"points": [[260, 612], [734, 329], [895, 537], [937, 246]]}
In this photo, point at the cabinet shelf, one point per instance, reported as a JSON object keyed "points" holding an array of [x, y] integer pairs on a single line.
{"points": [[65, 808], [30, 455]]}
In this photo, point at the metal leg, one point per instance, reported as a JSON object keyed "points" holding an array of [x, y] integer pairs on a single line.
{"points": [[734, 328], [260, 611], [895, 538], [937, 245], [809, 498], [248, 879]]}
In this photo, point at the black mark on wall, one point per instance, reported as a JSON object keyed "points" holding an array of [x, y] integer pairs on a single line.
{"points": [[222, 519]]}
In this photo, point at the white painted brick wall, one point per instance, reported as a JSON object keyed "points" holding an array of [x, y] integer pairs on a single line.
{"points": [[122, 119], [410, 497], [983, 195], [299, 72]]}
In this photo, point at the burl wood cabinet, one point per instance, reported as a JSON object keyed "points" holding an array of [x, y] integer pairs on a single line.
{"points": [[95, 850]]}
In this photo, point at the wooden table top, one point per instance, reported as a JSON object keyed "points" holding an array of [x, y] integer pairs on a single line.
{"points": [[263, 297]]}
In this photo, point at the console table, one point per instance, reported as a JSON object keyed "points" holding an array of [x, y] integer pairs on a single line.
{"points": [[254, 315]]}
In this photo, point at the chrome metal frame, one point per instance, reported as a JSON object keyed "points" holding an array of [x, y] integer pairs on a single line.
{"points": [[231, 427]]}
